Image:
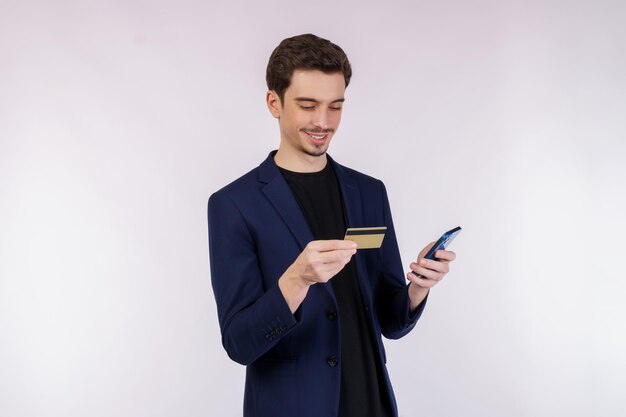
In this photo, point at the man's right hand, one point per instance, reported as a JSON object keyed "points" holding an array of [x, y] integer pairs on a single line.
{"points": [[318, 263]]}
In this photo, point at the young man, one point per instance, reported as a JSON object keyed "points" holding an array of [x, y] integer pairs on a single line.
{"points": [[297, 304]]}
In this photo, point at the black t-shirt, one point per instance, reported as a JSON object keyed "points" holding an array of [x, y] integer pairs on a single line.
{"points": [[362, 385]]}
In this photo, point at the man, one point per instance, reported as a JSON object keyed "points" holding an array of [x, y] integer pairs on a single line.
{"points": [[297, 304]]}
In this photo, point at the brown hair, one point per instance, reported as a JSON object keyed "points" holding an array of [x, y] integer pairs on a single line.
{"points": [[307, 52]]}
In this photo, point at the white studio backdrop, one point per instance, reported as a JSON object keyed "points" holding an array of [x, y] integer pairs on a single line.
{"points": [[118, 119]]}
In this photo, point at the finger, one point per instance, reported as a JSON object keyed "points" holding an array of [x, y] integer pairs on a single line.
{"points": [[425, 250], [326, 270], [427, 273], [435, 265], [331, 245], [335, 256], [445, 255], [420, 281]]}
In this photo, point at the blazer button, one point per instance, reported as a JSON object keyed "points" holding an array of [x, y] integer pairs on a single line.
{"points": [[331, 315], [332, 361]]}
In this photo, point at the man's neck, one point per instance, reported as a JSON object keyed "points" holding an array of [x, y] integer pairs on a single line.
{"points": [[300, 162]]}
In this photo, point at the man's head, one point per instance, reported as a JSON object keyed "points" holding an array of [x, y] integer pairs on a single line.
{"points": [[304, 52], [307, 77]]}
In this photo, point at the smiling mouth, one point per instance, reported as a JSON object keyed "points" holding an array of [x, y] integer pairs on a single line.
{"points": [[317, 136]]}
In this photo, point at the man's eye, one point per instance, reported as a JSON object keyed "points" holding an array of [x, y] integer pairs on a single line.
{"points": [[335, 108], [307, 107]]}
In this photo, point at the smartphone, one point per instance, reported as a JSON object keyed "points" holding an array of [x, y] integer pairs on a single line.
{"points": [[442, 243]]}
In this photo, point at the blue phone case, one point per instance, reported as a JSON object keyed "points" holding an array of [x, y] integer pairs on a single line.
{"points": [[443, 242]]}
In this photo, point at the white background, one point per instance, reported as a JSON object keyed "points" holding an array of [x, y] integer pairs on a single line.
{"points": [[118, 119]]}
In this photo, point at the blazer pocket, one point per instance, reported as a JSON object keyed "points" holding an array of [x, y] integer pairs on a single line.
{"points": [[274, 382]]}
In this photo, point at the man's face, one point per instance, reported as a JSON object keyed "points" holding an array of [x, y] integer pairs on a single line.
{"points": [[310, 112]]}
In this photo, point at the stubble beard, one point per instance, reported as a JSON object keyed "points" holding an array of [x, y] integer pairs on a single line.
{"points": [[318, 151]]}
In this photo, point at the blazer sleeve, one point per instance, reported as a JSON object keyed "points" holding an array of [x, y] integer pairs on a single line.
{"points": [[396, 319], [252, 319]]}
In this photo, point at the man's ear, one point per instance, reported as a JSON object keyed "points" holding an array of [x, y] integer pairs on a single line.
{"points": [[273, 103]]}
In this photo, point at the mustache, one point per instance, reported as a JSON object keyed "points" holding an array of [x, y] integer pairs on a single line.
{"points": [[317, 130]]}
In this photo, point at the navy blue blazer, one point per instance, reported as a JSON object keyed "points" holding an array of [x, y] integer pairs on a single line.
{"points": [[256, 231]]}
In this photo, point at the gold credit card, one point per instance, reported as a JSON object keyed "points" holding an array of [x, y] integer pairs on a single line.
{"points": [[366, 237]]}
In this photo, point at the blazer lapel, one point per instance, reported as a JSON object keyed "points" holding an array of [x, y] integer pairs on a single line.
{"points": [[278, 192], [351, 196]]}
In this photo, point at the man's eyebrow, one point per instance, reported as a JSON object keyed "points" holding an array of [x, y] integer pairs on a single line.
{"points": [[339, 100]]}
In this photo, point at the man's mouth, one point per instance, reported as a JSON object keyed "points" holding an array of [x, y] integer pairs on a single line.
{"points": [[317, 136]]}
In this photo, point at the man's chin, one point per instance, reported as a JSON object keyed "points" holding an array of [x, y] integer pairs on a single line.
{"points": [[316, 152]]}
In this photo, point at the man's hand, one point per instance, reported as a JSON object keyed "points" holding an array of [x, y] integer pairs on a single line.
{"points": [[318, 263], [430, 272]]}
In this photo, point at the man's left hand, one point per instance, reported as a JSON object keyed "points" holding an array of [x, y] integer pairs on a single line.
{"points": [[430, 272]]}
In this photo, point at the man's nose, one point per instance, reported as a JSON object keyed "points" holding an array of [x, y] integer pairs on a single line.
{"points": [[321, 118]]}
